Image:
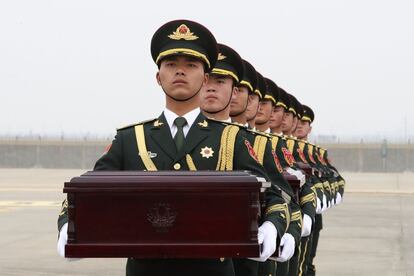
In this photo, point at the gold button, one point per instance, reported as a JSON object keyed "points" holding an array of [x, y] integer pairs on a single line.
{"points": [[222, 259], [177, 166]]}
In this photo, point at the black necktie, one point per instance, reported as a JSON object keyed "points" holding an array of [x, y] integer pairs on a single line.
{"points": [[180, 122]]}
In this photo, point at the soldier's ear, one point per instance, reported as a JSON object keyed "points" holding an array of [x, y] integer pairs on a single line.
{"points": [[157, 76], [235, 91], [205, 80]]}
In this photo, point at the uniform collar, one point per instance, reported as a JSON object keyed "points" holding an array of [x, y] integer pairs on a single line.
{"points": [[189, 116]]}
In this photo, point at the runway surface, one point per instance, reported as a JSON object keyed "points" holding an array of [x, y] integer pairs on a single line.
{"points": [[370, 233]]}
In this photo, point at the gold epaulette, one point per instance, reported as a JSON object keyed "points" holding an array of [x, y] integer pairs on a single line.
{"points": [[276, 135], [140, 123], [258, 132], [226, 123]]}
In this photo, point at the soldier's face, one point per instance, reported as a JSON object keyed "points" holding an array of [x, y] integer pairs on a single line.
{"points": [[277, 117], [265, 110], [239, 101], [287, 122], [294, 125], [252, 107], [303, 129], [216, 94], [181, 77]]}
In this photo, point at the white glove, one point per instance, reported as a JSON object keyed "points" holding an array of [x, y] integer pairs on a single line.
{"points": [[306, 225], [318, 206], [63, 240], [299, 175], [324, 203], [338, 198], [288, 249], [267, 237]]}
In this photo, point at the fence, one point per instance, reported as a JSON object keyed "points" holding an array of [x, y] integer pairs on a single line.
{"points": [[82, 154]]}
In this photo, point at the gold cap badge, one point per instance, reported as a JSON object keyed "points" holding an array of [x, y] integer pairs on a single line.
{"points": [[183, 32], [221, 56]]}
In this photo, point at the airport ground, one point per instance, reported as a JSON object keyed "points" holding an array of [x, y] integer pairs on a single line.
{"points": [[370, 233]]}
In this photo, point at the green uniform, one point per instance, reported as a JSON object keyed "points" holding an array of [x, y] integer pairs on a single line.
{"points": [[150, 146], [262, 144]]}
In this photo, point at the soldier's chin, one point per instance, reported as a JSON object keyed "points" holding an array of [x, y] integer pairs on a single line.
{"points": [[182, 95]]}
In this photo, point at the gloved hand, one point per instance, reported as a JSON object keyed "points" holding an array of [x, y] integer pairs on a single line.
{"points": [[63, 240], [299, 175], [306, 225], [324, 204], [338, 198], [318, 206], [267, 238], [288, 249]]}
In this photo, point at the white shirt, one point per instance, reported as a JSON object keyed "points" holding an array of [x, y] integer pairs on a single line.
{"points": [[189, 117], [267, 130]]}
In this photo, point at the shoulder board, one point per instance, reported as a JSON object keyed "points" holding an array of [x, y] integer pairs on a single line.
{"points": [[258, 132], [135, 124], [277, 135], [226, 123]]}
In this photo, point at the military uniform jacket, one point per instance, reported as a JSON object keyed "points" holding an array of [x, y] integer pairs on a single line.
{"points": [[150, 146]]}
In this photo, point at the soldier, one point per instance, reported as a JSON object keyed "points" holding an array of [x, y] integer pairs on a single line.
{"points": [[182, 138], [268, 99], [286, 107], [302, 132], [239, 111], [225, 83]]}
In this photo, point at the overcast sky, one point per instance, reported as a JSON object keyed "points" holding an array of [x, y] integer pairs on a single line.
{"points": [[83, 67]]}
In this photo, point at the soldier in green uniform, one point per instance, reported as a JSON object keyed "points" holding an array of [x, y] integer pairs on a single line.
{"points": [[225, 83], [311, 154], [266, 156], [302, 131], [182, 138], [284, 148], [261, 121]]}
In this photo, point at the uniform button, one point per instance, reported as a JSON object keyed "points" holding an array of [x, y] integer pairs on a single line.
{"points": [[177, 166], [222, 259]]}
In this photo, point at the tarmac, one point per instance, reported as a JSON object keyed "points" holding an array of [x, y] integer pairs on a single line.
{"points": [[368, 234]]}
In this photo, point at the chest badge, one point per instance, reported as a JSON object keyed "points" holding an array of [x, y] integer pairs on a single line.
{"points": [[206, 152]]}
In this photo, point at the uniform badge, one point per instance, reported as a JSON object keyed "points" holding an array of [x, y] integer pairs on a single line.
{"points": [[206, 152], [157, 123], [203, 123], [251, 150], [288, 157], [151, 154], [183, 32], [221, 56], [277, 162]]}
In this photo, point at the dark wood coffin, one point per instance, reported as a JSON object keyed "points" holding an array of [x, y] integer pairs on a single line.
{"points": [[294, 183], [164, 214], [306, 168]]}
